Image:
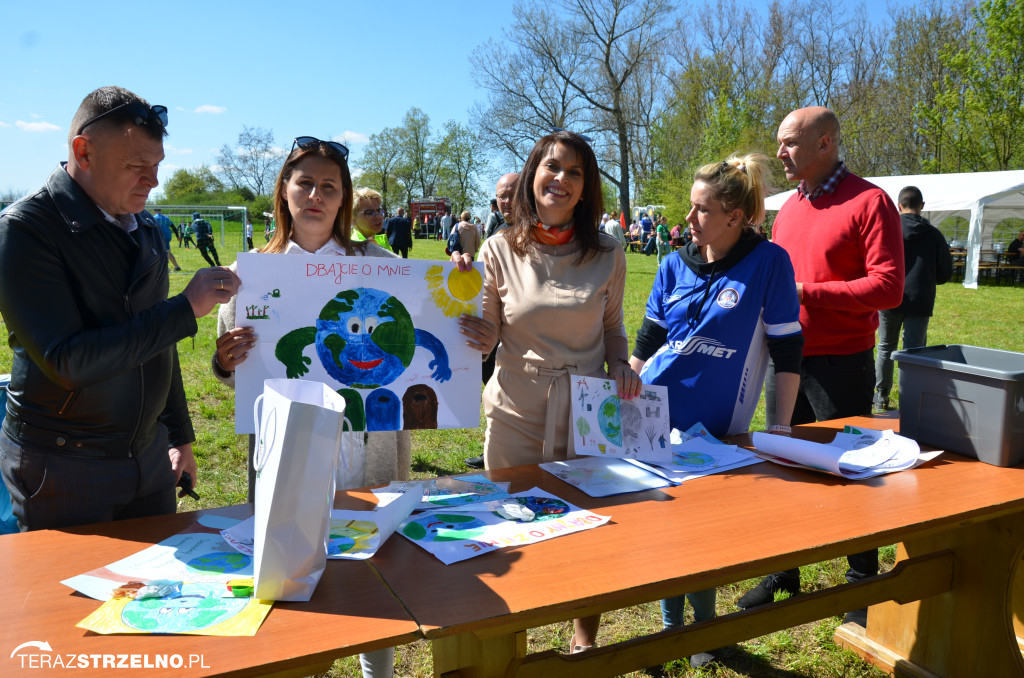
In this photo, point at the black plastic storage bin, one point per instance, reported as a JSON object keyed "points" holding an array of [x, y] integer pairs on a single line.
{"points": [[965, 399]]}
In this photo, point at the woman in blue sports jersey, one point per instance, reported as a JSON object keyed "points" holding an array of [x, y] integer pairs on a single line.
{"points": [[718, 310]]}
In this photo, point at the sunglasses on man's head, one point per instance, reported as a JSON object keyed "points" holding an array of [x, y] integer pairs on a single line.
{"points": [[306, 143], [140, 115]]}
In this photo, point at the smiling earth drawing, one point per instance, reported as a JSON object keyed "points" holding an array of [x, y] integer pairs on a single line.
{"points": [[365, 339]]}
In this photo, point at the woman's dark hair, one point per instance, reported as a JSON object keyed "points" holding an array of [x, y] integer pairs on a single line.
{"points": [[587, 211], [342, 230]]}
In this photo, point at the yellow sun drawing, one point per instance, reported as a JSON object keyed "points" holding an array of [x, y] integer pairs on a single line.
{"points": [[454, 295]]}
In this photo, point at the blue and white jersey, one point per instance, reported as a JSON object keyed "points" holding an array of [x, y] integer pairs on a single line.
{"points": [[716, 355]]}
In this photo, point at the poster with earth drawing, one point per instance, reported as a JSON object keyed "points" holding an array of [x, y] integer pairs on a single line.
{"points": [[383, 332]]}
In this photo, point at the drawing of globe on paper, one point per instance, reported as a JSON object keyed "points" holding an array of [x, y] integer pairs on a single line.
{"points": [[352, 536], [605, 425], [687, 458], [219, 563], [200, 609], [444, 527]]}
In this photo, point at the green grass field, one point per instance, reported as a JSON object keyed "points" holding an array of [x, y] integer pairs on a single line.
{"points": [[983, 317]]}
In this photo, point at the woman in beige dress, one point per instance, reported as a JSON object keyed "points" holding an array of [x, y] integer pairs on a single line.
{"points": [[553, 286]]}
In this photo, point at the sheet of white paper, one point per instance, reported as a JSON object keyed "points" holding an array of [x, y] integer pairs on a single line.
{"points": [[315, 318], [197, 554], [604, 476], [445, 492], [856, 454], [463, 532], [603, 424]]}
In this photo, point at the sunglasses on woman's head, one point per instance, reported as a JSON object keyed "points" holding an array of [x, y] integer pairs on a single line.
{"points": [[306, 143]]}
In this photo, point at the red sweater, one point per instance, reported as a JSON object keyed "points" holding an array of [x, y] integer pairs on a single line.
{"points": [[847, 250]]}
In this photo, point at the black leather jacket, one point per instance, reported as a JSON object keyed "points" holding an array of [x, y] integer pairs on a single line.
{"points": [[94, 335]]}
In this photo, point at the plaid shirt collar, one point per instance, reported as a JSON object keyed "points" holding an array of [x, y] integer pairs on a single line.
{"points": [[828, 185]]}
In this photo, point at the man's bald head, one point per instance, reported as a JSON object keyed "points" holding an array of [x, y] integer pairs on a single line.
{"points": [[809, 144]]}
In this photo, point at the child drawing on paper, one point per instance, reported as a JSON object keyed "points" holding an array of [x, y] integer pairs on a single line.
{"points": [[364, 339], [610, 425]]}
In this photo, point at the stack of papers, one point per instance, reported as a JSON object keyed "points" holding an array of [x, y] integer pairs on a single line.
{"points": [[693, 453], [855, 453]]}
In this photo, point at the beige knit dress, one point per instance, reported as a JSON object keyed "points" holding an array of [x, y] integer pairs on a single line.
{"points": [[553, 318]]}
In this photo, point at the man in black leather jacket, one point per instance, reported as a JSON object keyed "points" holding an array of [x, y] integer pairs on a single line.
{"points": [[97, 424]]}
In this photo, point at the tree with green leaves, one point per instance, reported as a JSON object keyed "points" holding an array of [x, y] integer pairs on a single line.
{"points": [[979, 114], [418, 162], [461, 158], [381, 157], [191, 186]]}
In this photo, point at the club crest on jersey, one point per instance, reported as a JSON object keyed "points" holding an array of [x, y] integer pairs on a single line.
{"points": [[728, 298]]}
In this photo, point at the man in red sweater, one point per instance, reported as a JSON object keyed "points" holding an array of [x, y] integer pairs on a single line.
{"points": [[844, 238]]}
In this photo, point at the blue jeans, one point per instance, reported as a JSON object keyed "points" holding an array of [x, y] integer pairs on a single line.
{"points": [[915, 333], [664, 249], [703, 603]]}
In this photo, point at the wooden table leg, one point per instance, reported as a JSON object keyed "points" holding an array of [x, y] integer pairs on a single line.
{"points": [[466, 656], [969, 631]]}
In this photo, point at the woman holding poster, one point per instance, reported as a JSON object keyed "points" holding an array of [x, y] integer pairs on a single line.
{"points": [[313, 200], [553, 286]]}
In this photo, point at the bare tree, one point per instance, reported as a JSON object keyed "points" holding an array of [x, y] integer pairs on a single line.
{"points": [[253, 162], [575, 64]]}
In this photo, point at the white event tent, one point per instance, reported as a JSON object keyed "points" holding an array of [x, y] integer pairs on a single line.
{"points": [[983, 198]]}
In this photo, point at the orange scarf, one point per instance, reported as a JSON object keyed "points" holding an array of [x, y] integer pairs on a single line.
{"points": [[552, 235]]}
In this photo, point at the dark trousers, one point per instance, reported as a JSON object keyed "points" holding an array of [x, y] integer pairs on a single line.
{"points": [[50, 490], [404, 251], [248, 241], [833, 386], [206, 248]]}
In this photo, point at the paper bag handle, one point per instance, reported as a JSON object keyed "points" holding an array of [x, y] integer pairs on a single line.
{"points": [[345, 422], [259, 457]]}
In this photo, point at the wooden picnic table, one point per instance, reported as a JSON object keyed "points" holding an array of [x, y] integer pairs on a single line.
{"points": [[961, 522], [950, 607]]}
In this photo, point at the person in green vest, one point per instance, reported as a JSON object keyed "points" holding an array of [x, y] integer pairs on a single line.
{"points": [[368, 217]]}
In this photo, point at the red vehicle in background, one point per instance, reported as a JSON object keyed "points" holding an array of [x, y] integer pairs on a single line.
{"points": [[428, 212]]}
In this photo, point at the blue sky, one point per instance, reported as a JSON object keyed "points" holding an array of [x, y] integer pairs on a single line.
{"points": [[313, 68], [326, 69]]}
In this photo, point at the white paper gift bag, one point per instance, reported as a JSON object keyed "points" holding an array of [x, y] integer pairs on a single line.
{"points": [[298, 440]]}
